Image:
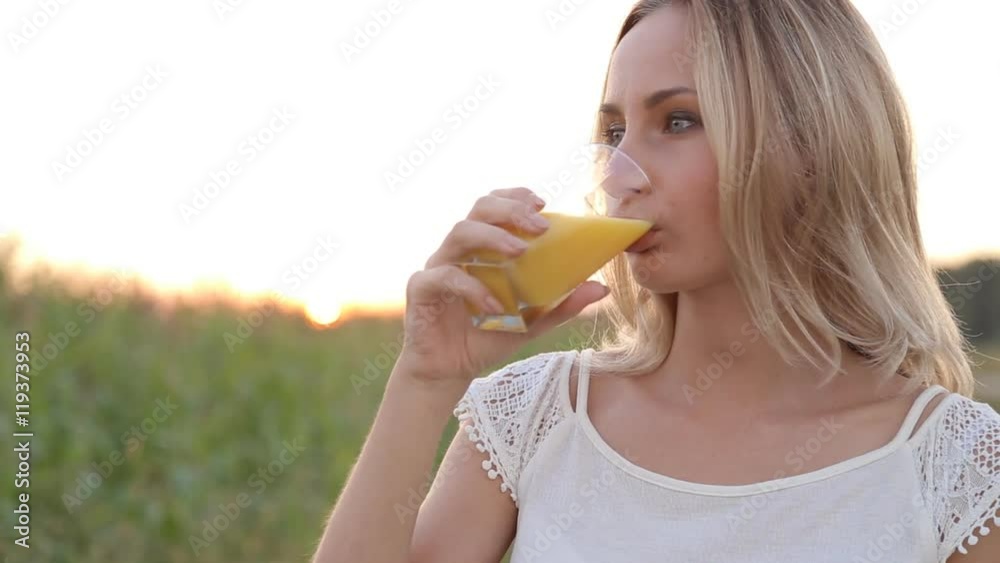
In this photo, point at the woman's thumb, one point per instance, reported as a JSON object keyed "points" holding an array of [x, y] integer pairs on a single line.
{"points": [[586, 293]]}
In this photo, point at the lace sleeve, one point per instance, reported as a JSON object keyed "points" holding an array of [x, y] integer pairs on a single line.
{"points": [[508, 413], [961, 461]]}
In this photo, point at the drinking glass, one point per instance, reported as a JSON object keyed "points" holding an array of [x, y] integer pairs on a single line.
{"points": [[573, 248]]}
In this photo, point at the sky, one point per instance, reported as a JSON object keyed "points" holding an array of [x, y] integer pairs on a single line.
{"points": [[322, 150]]}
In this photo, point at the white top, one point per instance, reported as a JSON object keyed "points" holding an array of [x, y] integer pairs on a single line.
{"points": [[916, 499]]}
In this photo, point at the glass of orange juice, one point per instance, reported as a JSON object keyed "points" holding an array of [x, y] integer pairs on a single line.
{"points": [[573, 248]]}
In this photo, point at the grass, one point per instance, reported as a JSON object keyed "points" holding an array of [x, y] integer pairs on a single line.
{"points": [[236, 409]]}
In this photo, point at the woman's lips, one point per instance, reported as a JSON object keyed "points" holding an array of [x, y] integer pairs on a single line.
{"points": [[644, 243]]}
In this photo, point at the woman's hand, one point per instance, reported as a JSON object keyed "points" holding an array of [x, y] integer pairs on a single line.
{"points": [[441, 345]]}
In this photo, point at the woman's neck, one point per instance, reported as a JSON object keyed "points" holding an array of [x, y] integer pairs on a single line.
{"points": [[721, 360]]}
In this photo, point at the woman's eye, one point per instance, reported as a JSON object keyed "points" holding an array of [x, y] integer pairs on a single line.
{"points": [[613, 135], [678, 123]]}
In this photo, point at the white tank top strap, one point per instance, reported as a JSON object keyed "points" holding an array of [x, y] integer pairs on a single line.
{"points": [[917, 409], [583, 382]]}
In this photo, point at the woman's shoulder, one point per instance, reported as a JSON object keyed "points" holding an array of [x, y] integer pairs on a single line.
{"points": [[535, 368], [958, 428], [518, 384], [956, 419], [509, 412], [957, 452]]}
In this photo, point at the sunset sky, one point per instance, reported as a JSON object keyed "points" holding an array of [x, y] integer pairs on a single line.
{"points": [[118, 115]]}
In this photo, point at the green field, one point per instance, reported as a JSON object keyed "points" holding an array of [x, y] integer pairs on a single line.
{"points": [[146, 421], [230, 415]]}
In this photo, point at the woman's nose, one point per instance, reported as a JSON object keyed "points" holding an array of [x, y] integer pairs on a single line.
{"points": [[623, 178]]}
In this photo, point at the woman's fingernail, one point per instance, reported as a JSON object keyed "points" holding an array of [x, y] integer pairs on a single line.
{"points": [[493, 305], [517, 244], [539, 202], [539, 221]]}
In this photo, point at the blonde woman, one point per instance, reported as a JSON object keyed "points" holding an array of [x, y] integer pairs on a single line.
{"points": [[785, 381]]}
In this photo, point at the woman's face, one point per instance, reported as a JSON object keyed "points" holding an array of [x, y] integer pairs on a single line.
{"points": [[651, 112]]}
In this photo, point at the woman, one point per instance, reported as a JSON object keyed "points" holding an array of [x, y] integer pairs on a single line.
{"points": [[786, 381]]}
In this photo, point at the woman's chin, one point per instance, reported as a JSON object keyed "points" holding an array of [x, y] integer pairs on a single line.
{"points": [[661, 272], [652, 270], [649, 264]]}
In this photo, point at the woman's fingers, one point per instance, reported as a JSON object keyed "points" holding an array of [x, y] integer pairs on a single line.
{"points": [[468, 236], [497, 210], [483, 229], [520, 194], [442, 284]]}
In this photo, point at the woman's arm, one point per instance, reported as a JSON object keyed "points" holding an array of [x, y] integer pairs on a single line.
{"points": [[987, 551], [466, 518]]}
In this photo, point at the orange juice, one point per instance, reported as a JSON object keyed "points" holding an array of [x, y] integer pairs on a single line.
{"points": [[555, 263]]}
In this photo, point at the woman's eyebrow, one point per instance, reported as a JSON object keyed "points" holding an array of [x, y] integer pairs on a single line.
{"points": [[652, 100]]}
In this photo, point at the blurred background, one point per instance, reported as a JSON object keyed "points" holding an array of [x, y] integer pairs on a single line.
{"points": [[210, 210]]}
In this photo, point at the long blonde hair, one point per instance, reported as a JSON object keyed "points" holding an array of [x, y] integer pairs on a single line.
{"points": [[832, 242]]}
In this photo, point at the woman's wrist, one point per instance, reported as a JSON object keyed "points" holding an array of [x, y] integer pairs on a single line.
{"points": [[434, 394]]}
